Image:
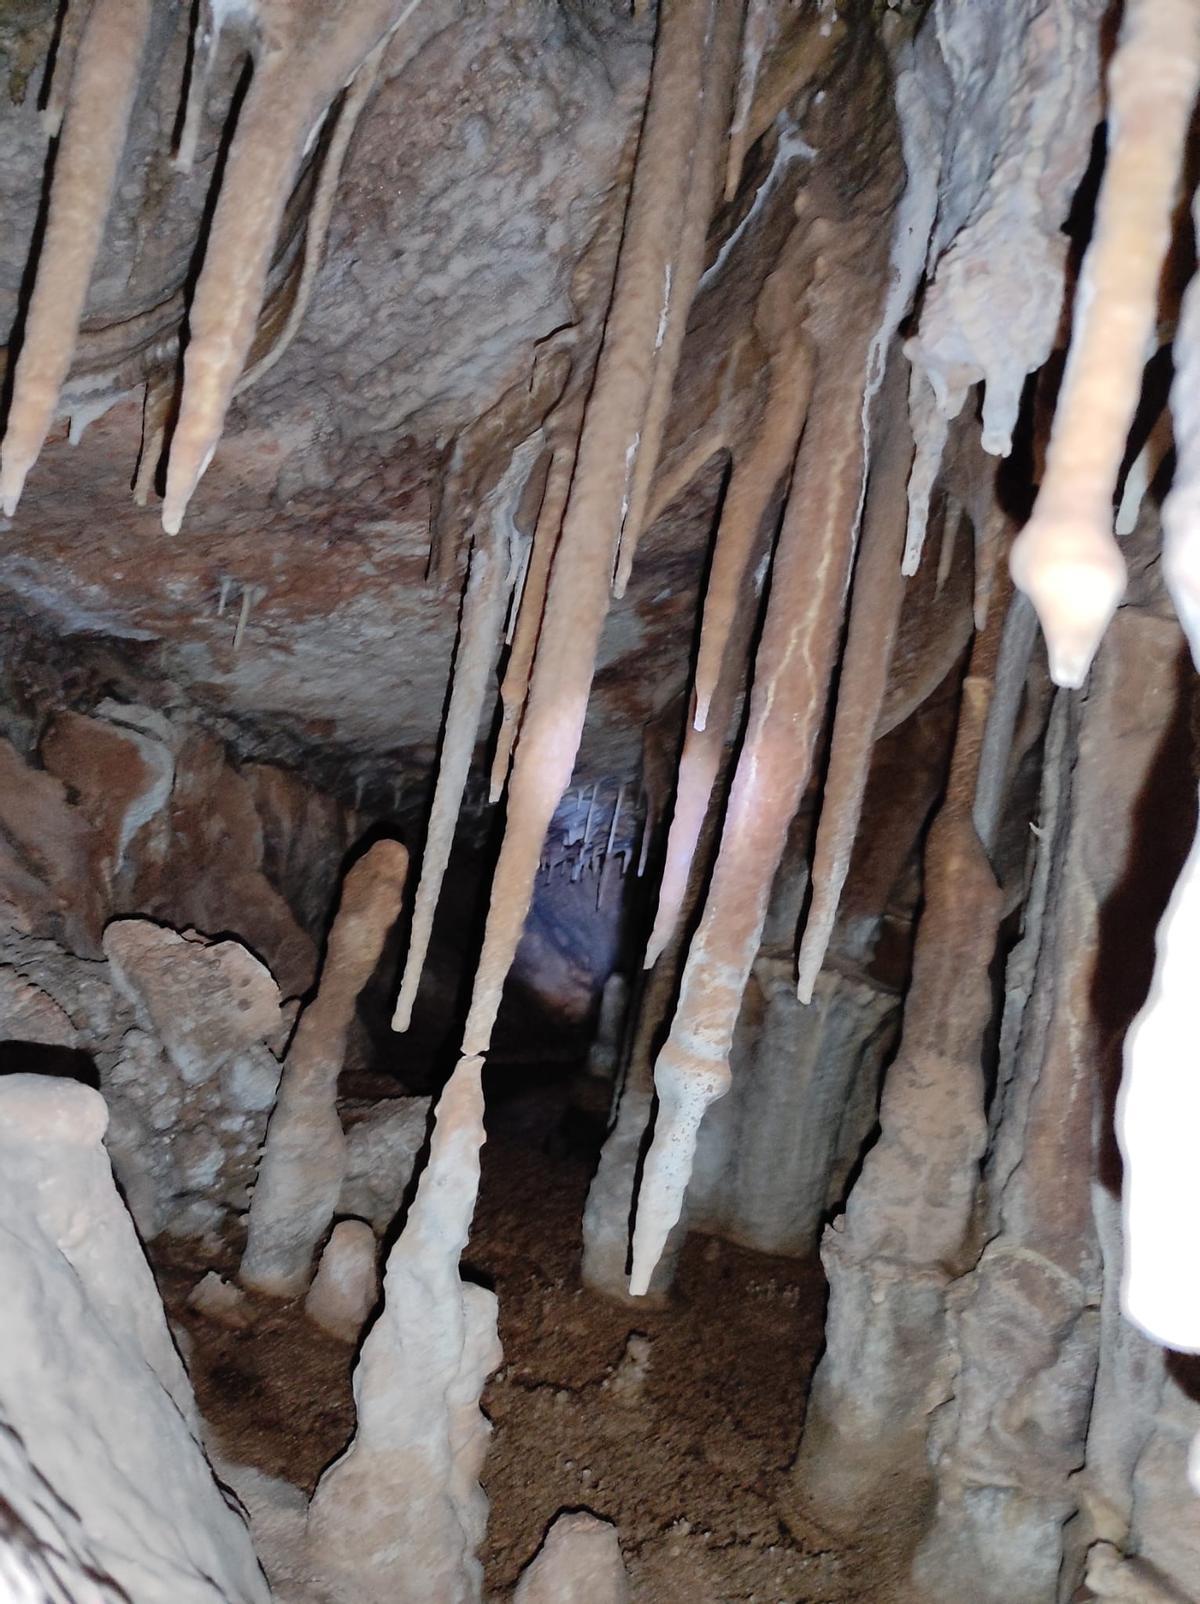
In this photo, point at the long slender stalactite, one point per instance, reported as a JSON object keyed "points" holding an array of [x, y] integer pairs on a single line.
{"points": [[1066, 559], [862, 683], [490, 579], [514, 687], [795, 658], [757, 472], [99, 105], [299, 67], [578, 592], [703, 184]]}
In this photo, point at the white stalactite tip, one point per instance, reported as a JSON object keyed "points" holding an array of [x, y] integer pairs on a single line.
{"points": [[1158, 1117], [1074, 574]]}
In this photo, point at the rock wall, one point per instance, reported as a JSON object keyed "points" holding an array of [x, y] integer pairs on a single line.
{"points": [[98, 1428]]}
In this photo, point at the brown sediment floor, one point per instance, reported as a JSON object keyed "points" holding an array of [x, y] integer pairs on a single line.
{"points": [[676, 1423]]}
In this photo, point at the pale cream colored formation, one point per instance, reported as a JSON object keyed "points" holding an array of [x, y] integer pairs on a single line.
{"points": [[398, 1518], [346, 1286], [490, 579], [1158, 1115], [862, 683], [303, 58], [304, 1161], [1066, 559], [1013, 151], [732, 594], [795, 657], [98, 108], [578, 591], [758, 471], [514, 687], [683, 273], [762, 23]]}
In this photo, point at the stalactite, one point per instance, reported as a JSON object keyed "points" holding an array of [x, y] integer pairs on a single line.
{"points": [[99, 105], [577, 596], [862, 682], [611, 1195], [489, 584], [398, 1518], [762, 22], [515, 685], [66, 48], [703, 183], [701, 760], [756, 474], [303, 61], [1066, 559], [303, 1163], [794, 661], [205, 42], [316, 228]]}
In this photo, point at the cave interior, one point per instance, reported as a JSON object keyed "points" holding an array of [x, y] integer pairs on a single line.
{"points": [[599, 861]]}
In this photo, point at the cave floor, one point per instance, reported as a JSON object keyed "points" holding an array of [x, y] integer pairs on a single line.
{"points": [[681, 1437]]}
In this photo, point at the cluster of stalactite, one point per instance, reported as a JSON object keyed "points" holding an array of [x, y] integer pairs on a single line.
{"points": [[806, 579], [306, 59]]}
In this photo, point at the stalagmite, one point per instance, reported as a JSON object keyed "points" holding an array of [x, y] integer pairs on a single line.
{"points": [[90, 1380], [577, 597], [99, 106], [757, 474], [489, 586], [1157, 1117], [903, 1234], [1066, 559], [398, 1518], [794, 661], [303, 1163], [303, 60], [346, 1285], [1181, 509], [862, 684], [683, 273], [579, 1563]]}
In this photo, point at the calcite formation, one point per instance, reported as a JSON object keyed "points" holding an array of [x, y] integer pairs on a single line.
{"points": [[303, 1164], [561, 400], [99, 1423]]}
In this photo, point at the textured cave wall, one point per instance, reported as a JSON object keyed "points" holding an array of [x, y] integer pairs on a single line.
{"points": [[319, 503]]}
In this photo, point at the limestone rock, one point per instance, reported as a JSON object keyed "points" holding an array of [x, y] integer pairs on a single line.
{"points": [[90, 1380], [204, 1001], [774, 1154]]}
